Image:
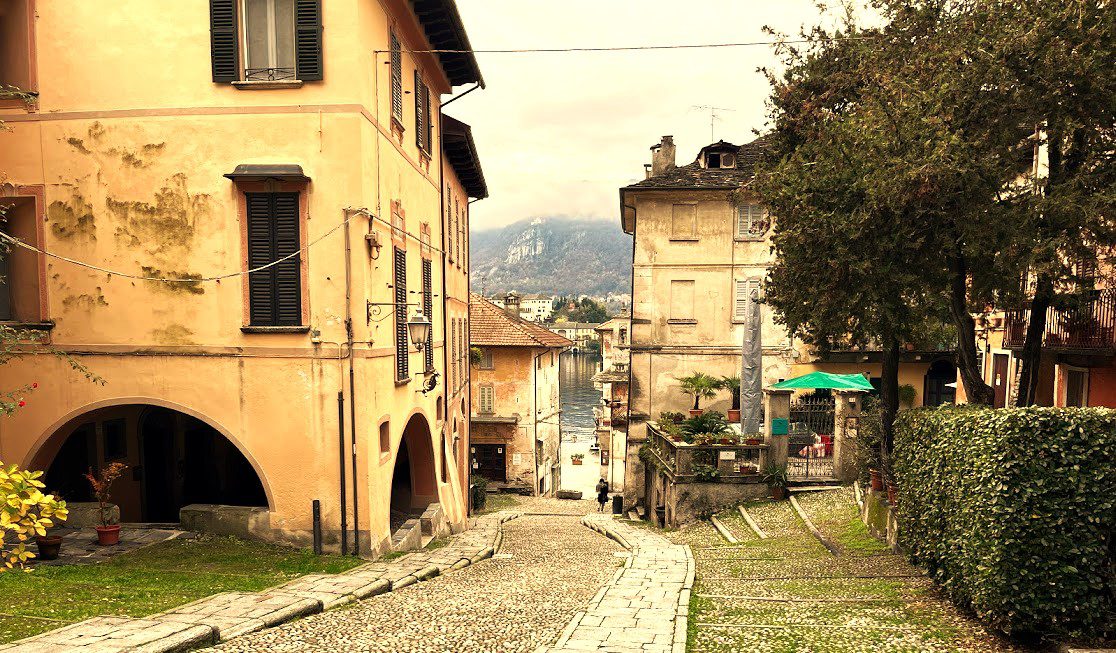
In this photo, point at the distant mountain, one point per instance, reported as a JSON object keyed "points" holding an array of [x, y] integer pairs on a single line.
{"points": [[554, 256]]}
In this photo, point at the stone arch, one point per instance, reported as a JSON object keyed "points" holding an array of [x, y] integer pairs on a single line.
{"points": [[414, 483], [118, 429]]}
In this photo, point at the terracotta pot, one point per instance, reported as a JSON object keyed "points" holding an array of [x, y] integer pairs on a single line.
{"points": [[778, 493], [892, 494], [108, 535], [576, 461], [733, 415], [726, 440], [696, 412], [753, 441], [49, 546], [877, 480]]}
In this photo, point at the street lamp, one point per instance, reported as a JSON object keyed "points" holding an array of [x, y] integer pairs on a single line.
{"points": [[419, 328]]}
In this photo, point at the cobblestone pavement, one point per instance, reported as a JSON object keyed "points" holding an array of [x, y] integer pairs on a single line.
{"points": [[789, 594], [548, 568]]}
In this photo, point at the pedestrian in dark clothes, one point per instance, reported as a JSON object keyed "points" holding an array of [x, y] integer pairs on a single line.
{"points": [[602, 494]]}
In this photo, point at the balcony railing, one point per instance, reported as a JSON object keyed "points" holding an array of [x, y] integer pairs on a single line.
{"points": [[1088, 325], [705, 463]]}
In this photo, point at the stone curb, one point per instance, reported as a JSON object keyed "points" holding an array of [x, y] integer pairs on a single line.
{"points": [[725, 532], [190, 626]]}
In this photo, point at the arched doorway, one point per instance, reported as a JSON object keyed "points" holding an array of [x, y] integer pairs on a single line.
{"points": [[174, 460], [413, 480], [937, 392]]}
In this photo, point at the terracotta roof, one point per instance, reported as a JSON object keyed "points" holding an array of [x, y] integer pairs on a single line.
{"points": [[693, 175], [491, 326]]}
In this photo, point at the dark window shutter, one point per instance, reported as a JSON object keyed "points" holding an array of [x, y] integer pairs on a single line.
{"points": [[275, 293], [428, 310], [396, 78], [222, 40], [402, 366], [420, 115], [428, 132], [308, 40]]}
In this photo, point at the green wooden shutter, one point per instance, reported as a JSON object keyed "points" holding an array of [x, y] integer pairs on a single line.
{"points": [[420, 116], [396, 78], [308, 40], [223, 44], [428, 309], [288, 277], [428, 132], [274, 293], [402, 346]]}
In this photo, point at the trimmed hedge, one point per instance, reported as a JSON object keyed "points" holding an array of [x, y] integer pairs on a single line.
{"points": [[1012, 512]]}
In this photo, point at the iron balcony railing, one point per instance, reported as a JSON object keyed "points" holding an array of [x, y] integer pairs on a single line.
{"points": [[694, 463], [1090, 324]]}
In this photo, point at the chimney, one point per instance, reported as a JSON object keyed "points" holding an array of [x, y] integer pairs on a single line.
{"points": [[662, 156], [511, 304]]}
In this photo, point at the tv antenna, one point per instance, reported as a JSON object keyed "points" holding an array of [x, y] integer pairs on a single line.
{"points": [[713, 117]]}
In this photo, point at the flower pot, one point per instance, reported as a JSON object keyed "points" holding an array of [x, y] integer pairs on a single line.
{"points": [[753, 441], [877, 480], [733, 415], [696, 412], [892, 493], [725, 440], [576, 461], [778, 492], [49, 546], [108, 535]]}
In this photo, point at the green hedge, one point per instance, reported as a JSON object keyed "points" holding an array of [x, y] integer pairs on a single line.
{"points": [[1012, 512]]}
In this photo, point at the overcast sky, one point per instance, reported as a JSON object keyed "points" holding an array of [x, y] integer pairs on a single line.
{"points": [[559, 133]]}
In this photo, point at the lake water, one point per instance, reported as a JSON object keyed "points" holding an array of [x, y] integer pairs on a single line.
{"points": [[579, 398]]}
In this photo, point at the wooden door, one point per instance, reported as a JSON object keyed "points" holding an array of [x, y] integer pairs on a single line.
{"points": [[999, 379], [490, 461]]}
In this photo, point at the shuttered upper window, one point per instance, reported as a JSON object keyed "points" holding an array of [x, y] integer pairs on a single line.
{"points": [[424, 125], [487, 399], [274, 293], [751, 221], [277, 40], [428, 310], [396, 78], [741, 289], [402, 348]]}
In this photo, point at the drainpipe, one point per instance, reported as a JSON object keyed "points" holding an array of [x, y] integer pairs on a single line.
{"points": [[341, 468], [447, 381], [352, 387]]}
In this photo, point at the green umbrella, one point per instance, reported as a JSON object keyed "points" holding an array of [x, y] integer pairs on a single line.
{"points": [[825, 381]]}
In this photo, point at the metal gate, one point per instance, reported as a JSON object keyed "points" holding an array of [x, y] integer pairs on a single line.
{"points": [[810, 441]]}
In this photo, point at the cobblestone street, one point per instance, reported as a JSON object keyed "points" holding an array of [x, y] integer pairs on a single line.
{"points": [[548, 569]]}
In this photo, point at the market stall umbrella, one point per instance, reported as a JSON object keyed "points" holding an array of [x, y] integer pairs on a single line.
{"points": [[825, 381]]}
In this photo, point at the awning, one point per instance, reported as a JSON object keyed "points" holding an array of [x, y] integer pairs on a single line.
{"points": [[266, 171], [825, 381]]}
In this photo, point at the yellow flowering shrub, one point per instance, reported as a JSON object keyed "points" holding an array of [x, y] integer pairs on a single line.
{"points": [[26, 512]]}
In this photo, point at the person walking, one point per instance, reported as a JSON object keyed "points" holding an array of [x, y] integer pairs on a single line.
{"points": [[602, 494]]}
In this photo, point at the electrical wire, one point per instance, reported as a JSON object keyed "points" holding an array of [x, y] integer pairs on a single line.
{"points": [[630, 48]]}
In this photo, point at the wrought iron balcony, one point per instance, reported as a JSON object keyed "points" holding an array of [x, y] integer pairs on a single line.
{"points": [[1089, 325]]}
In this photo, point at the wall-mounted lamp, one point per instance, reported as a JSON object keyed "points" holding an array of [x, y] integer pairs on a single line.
{"points": [[419, 329]]}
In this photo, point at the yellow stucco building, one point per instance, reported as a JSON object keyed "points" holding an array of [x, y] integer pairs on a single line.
{"points": [[192, 142]]}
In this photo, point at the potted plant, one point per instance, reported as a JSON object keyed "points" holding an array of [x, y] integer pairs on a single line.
{"points": [[50, 510], [876, 480], [892, 492], [577, 458], [749, 469], [732, 384], [728, 438], [706, 427], [753, 440], [775, 476], [670, 416], [700, 386], [107, 534]]}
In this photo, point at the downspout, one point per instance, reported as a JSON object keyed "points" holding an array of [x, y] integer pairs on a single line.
{"points": [[445, 288], [352, 386]]}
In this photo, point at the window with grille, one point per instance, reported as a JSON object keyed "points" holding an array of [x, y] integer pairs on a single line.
{"points": [[487, 396], [396, 78], [276, 40], [751, 221], [274, 293], [402, 364], [428, 310], [743, 287]]}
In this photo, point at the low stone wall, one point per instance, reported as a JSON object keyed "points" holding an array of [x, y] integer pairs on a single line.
{"points": [[689, 502], [879, 517], [87, 514], [241, 521]]}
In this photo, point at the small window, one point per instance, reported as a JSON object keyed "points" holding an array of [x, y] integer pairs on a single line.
{"points": [[266, 40], [683, 223], [487, 397], [751, 221], [114, 435], [623, 336], [742, 288], [269, 40], [19, 267], [713, 160], [486, 362], [274, 293], [682, 300], [16, 46], [385, 437]]}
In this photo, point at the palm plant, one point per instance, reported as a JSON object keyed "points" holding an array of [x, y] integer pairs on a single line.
{"points": [[732, 384], [700, 386]]}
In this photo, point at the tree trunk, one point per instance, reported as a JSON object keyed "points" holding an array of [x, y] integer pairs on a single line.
{"points": [[889, 399], [1031, 357], [977, 391]]}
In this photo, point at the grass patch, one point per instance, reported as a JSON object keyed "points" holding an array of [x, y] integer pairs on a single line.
{"points": [[437, 543], [152, 579], [392, 555]]}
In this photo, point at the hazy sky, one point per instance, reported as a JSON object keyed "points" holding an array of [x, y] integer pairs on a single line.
{"points": [[559, 133]]}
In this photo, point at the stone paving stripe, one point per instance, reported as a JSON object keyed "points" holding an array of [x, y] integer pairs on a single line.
{"points": [[814, 529], [818, 577], [751, 522], [703, 624], [725, 533], [780, 599]]}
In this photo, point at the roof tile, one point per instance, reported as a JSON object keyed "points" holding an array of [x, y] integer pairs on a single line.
{"points": [[491, 326]]}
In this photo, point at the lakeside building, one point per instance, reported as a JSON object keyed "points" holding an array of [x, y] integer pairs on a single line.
{"points": [[312, 170], [612, 414], [536, 308], [516, 435]]}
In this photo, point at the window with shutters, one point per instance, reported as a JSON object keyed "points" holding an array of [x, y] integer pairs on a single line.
{"points": [[402, 347], [17, 45], [682, 301], [751, 221], [486, 362], [274, 234], [487, 400], [741, 290], [683, 222], [396, 79], [278, 41], [428, 310], [448, 223], [424, 124]]}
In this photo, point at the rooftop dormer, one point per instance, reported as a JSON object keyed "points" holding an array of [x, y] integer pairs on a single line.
{"points": [[721, 154]]}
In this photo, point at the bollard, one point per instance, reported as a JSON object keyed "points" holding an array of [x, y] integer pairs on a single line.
{"points": [[618, 504], [317, 510]]}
